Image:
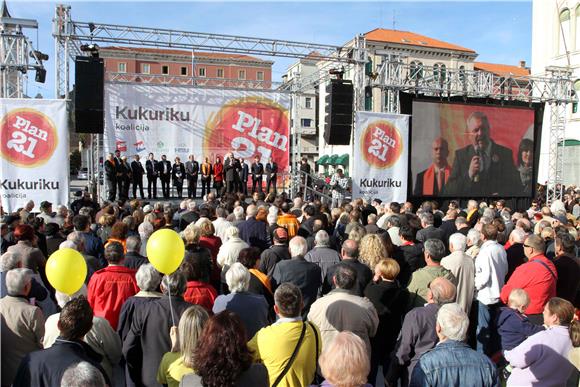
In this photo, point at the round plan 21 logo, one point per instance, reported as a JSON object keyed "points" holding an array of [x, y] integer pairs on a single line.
{"points": [[381, 144], [28, 137]]}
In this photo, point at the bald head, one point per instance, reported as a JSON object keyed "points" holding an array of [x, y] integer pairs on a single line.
{"points": [[349, 249], [440, 152], [442, 291]]}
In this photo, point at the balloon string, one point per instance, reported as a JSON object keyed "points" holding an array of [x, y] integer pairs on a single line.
{"points": [[170, 306]]}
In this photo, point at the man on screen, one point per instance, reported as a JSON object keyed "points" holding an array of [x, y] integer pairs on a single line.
{"points": [[482, 168], [431, 181]]}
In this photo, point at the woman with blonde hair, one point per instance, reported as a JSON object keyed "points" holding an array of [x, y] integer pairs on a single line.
{"points": [[196, 254], [179, 362], [345, 362], [372, 250]]}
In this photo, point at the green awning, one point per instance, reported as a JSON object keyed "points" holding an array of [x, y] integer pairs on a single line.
{"points": [[342, 160], [331, 160], [321, 160]]}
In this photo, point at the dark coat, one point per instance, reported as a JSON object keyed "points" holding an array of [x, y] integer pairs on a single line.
{"points": [[138, 171], [409, 258], [160, 168], [305, 275], [515, 257], [231, 168], [45, 368], [430, 232], [364, 275], [568, 269], [271, 256], [52, 243], [151, 168], [178, 173], [134, 260], [418, 190], [501, 178], [110, 170], [245, 171], [254, 233], [148, 339]]}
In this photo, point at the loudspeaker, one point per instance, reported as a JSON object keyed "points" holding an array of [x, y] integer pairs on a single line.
{"points": [[89, 94], [40, 76], [338, 119]]}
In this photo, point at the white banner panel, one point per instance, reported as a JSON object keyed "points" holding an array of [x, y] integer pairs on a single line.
{"points": [[381, 156], [179, 121], [34, 149]]}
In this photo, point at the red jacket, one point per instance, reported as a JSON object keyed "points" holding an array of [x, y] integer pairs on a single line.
{"points": [[200, 293], [109, 288], [536, 280], [218, 172]]}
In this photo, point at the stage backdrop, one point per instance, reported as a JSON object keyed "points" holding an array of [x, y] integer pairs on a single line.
{"points": [[179, 121], [34, 148], [381, 156]]}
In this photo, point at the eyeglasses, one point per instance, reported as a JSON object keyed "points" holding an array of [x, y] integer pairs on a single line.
{"points": [[527, 245]]}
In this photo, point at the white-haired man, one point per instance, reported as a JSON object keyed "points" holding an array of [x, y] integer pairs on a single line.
{"points": [[221, 224], [452, 362], [297, 270], [229, 251], [322, 254], [22, 323], [463, 268]]}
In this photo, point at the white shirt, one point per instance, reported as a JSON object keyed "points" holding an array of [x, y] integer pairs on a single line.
{"points": [[490, 270], [221, 225]]}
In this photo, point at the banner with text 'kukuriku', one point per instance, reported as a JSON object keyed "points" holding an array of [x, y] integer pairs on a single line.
{"points": [[34, 149], [179, 121], [381, 150]]}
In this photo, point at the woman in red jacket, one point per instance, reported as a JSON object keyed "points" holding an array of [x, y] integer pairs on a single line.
{"points": [[218, 176]]}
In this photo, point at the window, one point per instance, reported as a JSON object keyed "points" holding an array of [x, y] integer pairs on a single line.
{"points": [[260, 75], [145, 68], [201, 72], [577, 90], [439, 72], [122, 67], [183, 71], [306, 123], [220, 73], [564, 32], [165, 70], [242, 74], [308, 102], [416, 70]]}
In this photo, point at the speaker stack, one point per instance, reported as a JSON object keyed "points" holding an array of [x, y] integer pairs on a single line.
{"points": [[339, 104], [89, 94]]}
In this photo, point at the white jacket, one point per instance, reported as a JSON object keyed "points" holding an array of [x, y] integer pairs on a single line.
{"points": [[230, 250], [490, 270]]}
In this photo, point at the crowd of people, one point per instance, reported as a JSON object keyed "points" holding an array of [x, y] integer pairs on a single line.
{"points": [[279, 292]]}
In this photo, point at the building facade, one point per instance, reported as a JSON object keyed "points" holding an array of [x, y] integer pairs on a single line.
{"points": [[556, 45]]}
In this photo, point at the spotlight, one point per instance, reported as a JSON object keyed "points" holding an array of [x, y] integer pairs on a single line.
{"points": [[39, 55]]}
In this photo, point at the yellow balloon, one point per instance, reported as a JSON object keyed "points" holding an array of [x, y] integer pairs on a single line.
{"points": [[66, 270], [165, 250]]}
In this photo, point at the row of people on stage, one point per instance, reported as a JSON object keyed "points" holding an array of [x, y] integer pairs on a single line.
{"points": [[231, 175]]}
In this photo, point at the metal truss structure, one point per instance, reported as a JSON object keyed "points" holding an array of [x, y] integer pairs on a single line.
{"points": [[392, 77], [17, 55]]}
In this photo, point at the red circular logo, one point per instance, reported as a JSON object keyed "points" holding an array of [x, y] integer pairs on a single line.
{"points": [[249, 127], [28, 138], [381, 144]]}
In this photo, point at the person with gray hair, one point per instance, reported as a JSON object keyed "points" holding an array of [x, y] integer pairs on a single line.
{"points": [[306, 275], [229, 251], [133, 259], [239, 215], [429, 231], [251, 308], [101, 338], [420, 279], [221, 224], [274, 344], [474, 241], [515, 252], [147, 341], [22, 323], [148, 279], [322, 254], [253, 231], [463, 268], [418, 332], [76, 240], [452, 362], [82, 374], [393, 225]]}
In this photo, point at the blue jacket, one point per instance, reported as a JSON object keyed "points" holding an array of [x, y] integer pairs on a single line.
{"points": [[514, 327], [453, 363]]}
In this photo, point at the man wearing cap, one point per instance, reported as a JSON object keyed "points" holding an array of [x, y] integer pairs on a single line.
{"points": [[276, 253]]}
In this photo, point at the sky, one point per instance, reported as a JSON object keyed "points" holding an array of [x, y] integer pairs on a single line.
{"points": [[500, 32]]}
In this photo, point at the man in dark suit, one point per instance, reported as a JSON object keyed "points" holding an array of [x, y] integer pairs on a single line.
{"points": [[482, 168], [152, 173], [231, 167], [429, 231], [245, 173], [257, 172], [119, 172], [271, 174], [164, 169], [191, 172], [111, 177], [349, 256], [137, 174], [254, 232], [431, 181]]}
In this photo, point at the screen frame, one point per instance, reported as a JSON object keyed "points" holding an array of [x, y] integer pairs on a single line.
{"points": [[406, 103]]}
